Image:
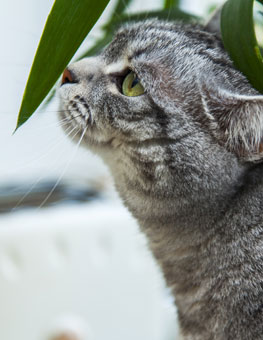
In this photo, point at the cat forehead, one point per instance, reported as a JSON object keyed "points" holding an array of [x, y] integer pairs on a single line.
{"points": [[142, 37], [156, 38]]}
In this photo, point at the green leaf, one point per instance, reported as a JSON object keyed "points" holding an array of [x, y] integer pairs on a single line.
{"points": [[67, 25], [171, 3], [237, 28]]}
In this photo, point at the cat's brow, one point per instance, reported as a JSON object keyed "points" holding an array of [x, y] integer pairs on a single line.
{"points": [[117, 67]]}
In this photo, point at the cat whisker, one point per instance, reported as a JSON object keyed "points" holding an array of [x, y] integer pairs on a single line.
{"points": [[39, 179], [38, 111], [50, 147], [66, 120], [65, 169], [59, 123]]}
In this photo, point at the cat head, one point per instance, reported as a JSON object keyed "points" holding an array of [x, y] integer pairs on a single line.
{"points": [[158, 80]]}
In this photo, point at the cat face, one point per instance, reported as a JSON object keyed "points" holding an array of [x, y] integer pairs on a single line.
{"points": [[187, 87], [96, 97]]}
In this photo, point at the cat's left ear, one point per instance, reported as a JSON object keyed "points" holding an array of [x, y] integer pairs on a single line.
{"points": [[213, 24], [236, 121]]}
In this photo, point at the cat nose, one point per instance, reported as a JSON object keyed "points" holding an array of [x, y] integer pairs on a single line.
{"points": [[68, 77]]}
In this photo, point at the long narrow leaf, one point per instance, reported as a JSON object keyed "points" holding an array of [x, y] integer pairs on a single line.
{"points": [[67, 25], [237, 27], [171, 3]]}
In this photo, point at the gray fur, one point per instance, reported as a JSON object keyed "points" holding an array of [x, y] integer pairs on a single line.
{"points": [[182, 156]]}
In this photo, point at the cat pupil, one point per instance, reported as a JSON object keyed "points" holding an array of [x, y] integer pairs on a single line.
{"points": [[135, 82]]}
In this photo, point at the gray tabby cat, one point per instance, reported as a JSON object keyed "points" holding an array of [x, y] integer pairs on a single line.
{"points": [[181, 132]]}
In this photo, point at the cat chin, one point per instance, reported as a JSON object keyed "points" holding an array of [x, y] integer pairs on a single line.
{"points": [[82, 132]]}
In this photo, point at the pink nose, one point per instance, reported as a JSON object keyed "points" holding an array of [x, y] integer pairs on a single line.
{"points": [[67, 77]]}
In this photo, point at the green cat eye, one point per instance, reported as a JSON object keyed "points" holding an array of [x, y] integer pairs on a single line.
{"points": [[131, 85]]}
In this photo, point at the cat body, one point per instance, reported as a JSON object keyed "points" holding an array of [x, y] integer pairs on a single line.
{"points": [[185, 157]]}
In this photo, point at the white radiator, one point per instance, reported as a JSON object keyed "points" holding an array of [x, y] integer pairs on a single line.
{"points": [[80, 273]]}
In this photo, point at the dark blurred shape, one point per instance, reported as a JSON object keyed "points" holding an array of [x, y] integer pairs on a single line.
{"points": [[15, 197]]}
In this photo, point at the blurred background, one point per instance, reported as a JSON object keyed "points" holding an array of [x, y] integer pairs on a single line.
{"points": [[73, 264]]}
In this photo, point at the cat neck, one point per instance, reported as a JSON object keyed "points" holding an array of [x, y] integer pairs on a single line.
{"points": [[187, 232], [176, 199], [190, 195]]}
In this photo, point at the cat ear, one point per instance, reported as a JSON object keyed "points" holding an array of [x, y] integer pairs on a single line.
{"points": [[159, 82], [213, 24], [236, 121]]}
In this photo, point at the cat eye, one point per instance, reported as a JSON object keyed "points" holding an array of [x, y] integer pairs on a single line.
{"points": [[132, 86]]}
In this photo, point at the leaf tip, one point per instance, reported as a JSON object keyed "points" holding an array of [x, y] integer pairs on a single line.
{"points": [[17, 127]]}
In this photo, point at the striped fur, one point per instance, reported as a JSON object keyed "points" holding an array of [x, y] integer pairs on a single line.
{"points": [[182, 157]]}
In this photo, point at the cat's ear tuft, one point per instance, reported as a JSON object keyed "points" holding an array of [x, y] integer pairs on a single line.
{"points": [[236, 121], [213, 24]]}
